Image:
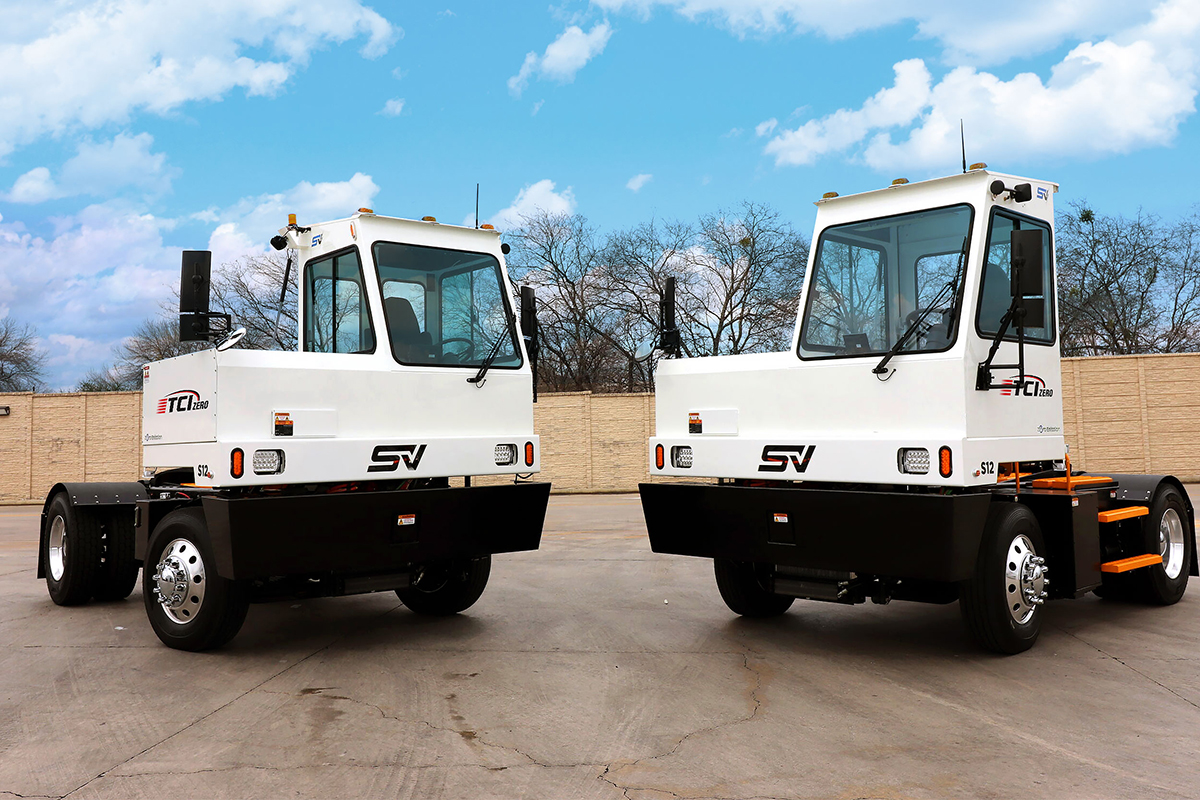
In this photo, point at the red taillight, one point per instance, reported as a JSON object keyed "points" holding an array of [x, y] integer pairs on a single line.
{"points": [[945, 468], [237, 462], [658, 456], [529, 454]]}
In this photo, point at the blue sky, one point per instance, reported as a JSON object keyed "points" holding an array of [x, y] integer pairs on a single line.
{"points": [[130, 129]]}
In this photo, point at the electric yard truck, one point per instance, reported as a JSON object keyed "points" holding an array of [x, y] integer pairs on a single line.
{"points": [[910, 444], [325, 471]]}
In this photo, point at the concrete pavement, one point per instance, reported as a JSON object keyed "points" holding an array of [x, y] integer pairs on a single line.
{"points": [[573, 678]]}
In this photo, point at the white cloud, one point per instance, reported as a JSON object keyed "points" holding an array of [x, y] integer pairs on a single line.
{"points": [[246, 227], [99, 169], [765, 127], [563, 58], [969, 32], [393, 107], [537, 107], [636, 183], [1129, 91], [86, 64], [535, 197]]}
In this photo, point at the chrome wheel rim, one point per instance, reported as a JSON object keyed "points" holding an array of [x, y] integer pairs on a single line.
{"points": [[1025, 580], [1170, 543], [180, 581], [58, 548]]}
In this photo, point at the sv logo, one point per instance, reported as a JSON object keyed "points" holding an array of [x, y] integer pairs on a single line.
{"points": [[776, 457], [386, 457]]}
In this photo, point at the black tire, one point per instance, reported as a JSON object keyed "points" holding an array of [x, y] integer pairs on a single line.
{"points": [[119, 570], [447, 588], [1155, 584], [71, 548], [991, 602], [741, 587], [215, 614]]}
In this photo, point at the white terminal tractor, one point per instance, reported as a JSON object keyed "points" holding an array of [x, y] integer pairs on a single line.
{"points": [[325, 471], [909, 445]]}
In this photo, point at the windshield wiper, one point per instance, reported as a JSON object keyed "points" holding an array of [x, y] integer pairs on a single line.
{"points": [[881, 367], [480, 377]]}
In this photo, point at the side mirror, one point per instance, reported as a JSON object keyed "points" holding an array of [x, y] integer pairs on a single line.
{"points": [[644, 350], [668, 340], [194, 282], [1028, 264], [529, 331]]}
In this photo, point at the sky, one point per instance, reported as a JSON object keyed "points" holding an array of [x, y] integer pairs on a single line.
{"points": [[133, 129]]}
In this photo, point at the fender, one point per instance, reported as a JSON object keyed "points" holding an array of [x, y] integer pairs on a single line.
{"points": [[1141, 489], [82, 496]]}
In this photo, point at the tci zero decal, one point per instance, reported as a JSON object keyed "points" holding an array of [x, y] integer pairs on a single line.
{"points": [[776, 457], [183, 400], [387, 456], [1034, 387]]}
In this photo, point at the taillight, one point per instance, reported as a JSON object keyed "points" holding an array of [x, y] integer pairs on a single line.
{"points": [[945, 467], [237, 463], [529, 454], [659, 459]]}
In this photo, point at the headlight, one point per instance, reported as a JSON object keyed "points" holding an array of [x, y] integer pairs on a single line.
{"points": [[268, 462], [681, 457], [913, 460], [506, 454]]}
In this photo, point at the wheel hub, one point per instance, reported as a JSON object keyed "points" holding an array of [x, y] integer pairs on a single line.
{"points": [[1025, 579], [1170, 543], [179, 581], [58, 548]]}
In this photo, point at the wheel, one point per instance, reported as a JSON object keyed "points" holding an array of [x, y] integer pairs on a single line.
{"points": [[71, 547], [190, 607], [1168, 532], [119, 570], [1002, 602], [741, 587], [448, 587]]}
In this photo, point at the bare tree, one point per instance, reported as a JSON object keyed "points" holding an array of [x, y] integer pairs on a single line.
{"points": [[248, 289], [746, 272], [1127, 285], [22, 360]]}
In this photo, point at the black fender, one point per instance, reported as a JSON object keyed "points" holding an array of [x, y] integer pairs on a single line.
{"points": [[1140, 489], [85, 496]]}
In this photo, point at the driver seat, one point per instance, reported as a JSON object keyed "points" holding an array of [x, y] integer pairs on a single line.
{"points": [[409, 343]]}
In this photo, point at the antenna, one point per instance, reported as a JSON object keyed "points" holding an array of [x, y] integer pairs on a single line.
{"points": [[963, 137], [477, 201]]}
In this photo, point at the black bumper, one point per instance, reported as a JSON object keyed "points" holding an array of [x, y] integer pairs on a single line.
{"points": [[262, 537], [900, 535]]}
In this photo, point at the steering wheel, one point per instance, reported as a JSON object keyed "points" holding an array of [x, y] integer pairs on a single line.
{"points": [[926, 326], [466, 354]]}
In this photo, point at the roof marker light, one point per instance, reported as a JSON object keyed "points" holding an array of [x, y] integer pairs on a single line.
{"points": [[829, 195], [428, 219], [979, 165], [366, 211], [899, 181], [291, 219], [487, 226]]}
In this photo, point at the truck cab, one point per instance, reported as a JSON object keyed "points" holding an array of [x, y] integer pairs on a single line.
{"points": [[916, 418], [325, 471]]}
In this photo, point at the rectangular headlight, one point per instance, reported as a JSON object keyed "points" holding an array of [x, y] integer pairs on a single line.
{"points": [[506, 454], [681, 457], [268, 462], [913, 460]]}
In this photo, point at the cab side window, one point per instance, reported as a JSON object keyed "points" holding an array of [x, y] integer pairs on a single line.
{"points": [[336, 317], [995, 293]]}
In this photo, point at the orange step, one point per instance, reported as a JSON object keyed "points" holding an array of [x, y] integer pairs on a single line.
{"points": [[1133, 562], [1118, 514], [1076, 480]]}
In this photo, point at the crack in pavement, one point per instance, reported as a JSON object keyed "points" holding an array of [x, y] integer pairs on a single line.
{"points": [[1128, 666], [222, 707], [753, 696]]}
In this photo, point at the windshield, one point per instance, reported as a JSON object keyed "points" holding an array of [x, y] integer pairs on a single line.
{"points": [[873, 280], [445, 307]]}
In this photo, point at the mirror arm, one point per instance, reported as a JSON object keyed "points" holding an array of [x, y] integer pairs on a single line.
{"points": [[983, 377]]}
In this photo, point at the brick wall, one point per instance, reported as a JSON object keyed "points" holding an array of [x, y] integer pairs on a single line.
{"points": [[1122, 413]]}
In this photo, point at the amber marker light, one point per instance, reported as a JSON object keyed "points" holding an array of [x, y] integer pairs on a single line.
{"points": [[487, 226], [658, 456], [945, 468], [529, 454], [237, 463]]}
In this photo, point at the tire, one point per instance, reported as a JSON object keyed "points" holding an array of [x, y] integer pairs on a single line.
{"points": [[71, 547], [448, 587], [212, 610], [999, 614], [741, 587], [1167, 531], [119, 571]]}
